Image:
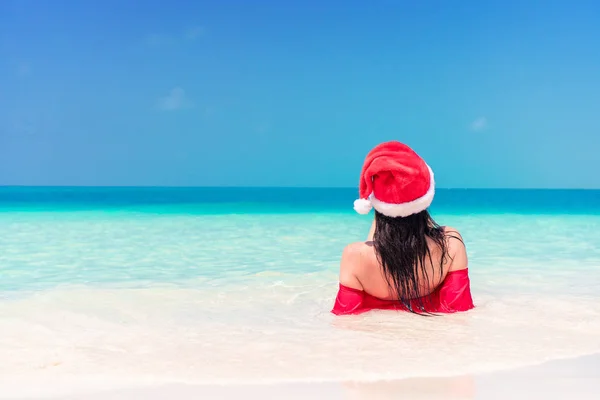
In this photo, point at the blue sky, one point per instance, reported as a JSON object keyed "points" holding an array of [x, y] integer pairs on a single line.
{"points": [[295, 93]]}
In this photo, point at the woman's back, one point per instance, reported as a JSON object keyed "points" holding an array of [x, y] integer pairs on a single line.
{"points": [[362, 268], [408, 262]]}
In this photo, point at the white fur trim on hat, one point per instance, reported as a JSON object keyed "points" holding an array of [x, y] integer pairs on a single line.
{"points": [[362, 206], [405, 209]]}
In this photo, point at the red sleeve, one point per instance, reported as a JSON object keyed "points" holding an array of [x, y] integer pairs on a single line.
{"points": [[455, 293], [348, 301]]}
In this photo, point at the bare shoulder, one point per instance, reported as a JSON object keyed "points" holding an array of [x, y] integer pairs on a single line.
{"points": [[450, 231], [456, 249], [352, 262]]}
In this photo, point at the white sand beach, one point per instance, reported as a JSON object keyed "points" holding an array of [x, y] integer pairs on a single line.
{"points": [[573, 379]]}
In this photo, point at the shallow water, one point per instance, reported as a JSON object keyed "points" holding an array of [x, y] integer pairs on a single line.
{"points": [[195, 296]]}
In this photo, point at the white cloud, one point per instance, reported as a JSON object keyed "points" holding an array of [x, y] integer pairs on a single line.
{"points": [[209, 111], [23, 69], [24, 127], [264, 127], [194, 33], [190, 34], [479, 124], [175, 100], [159, 40]]}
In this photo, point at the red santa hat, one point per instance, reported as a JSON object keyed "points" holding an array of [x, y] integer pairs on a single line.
{"points": [[395, 181]]}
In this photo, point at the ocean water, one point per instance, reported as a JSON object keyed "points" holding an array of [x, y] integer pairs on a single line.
{"points": [[155, 285]]}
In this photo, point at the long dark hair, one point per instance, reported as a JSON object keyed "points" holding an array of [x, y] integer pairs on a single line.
{"points": [[402, 250]]}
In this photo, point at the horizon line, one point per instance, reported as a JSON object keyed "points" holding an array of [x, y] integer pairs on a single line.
{"points": [[268, 187]]}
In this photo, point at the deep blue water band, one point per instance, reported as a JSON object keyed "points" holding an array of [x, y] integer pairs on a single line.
{"points": [[463, 201]]}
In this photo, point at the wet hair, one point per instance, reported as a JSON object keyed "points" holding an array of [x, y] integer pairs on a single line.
{"points": [[402, 249]]}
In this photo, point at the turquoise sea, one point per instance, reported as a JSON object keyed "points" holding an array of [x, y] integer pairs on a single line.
{"points": [[212, 285]]}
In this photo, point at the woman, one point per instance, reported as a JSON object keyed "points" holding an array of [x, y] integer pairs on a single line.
{"points": [[408, 262]]}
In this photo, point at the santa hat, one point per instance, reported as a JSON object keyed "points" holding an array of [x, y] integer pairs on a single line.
{"points": [[395, 181]]}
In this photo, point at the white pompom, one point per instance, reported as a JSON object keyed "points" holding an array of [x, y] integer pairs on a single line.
{"points": [[362, 206]]}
